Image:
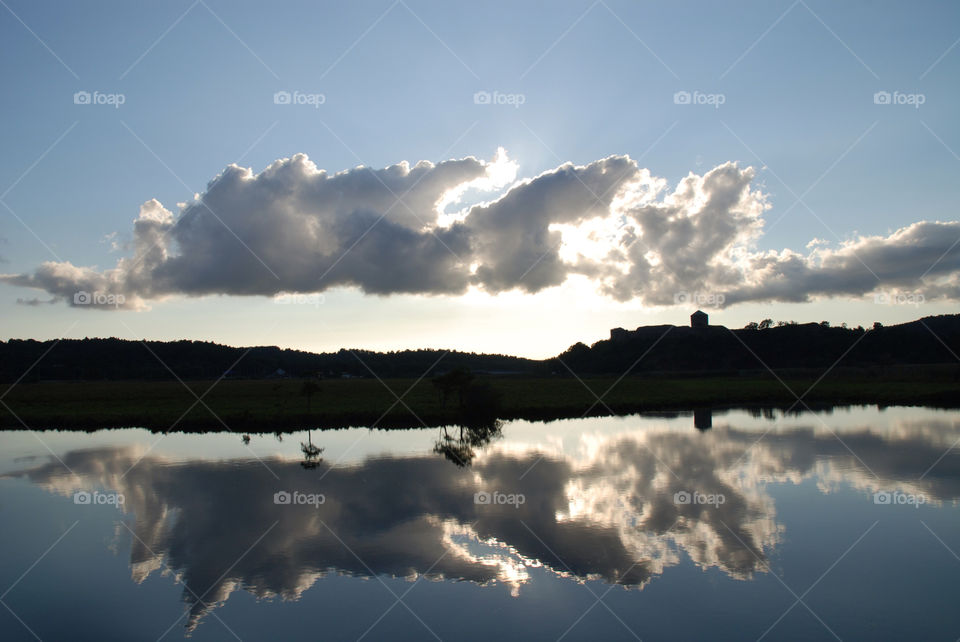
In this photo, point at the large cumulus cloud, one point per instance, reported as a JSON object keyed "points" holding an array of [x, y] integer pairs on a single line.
{"points": [[296, 228]]}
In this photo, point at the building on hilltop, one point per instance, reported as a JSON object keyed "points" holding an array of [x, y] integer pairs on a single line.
{"points": [[699, 319]]}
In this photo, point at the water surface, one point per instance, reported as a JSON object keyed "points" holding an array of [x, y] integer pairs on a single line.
{"points": [[839, 525]]}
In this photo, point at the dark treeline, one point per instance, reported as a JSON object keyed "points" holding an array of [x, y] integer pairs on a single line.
{"points": [[931, 340], [116, 359]]}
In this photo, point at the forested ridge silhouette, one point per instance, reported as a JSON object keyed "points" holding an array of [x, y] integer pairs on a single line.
{"points": [[648, 349]]}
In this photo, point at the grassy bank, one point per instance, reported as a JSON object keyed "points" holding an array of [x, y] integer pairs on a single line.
{"points": [[279, 405]]}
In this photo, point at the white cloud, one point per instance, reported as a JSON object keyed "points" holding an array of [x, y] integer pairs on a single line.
{"points": [[296, 228]]}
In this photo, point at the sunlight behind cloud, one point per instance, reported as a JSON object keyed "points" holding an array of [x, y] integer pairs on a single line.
{"points": [[500, 172]]}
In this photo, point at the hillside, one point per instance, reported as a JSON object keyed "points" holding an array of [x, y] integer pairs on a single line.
{"points": [[646, 350], [118, 359], [930, 340]]}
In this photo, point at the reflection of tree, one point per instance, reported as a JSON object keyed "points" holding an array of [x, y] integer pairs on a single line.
{"points": [[460, 449], [311, 453]]}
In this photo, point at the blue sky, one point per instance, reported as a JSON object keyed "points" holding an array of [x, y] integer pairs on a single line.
{"points": [[797, 82]]}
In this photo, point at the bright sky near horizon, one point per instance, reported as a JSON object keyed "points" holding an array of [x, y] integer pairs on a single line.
{"points": [[533, 174]]}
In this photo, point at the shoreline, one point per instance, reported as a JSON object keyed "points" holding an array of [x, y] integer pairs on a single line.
{"points": [[281, 406]]}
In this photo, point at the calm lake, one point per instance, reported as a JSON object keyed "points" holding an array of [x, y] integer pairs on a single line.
{"points": [[834, 525]]}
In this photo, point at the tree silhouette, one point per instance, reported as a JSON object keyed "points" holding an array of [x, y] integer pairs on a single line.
{"points": [[456, 380], [308, 389]]}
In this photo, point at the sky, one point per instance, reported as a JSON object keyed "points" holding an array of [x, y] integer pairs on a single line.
{"points": [[496, 177]]}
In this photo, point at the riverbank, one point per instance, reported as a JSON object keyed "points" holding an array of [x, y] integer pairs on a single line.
{"points": [[283, 405]]}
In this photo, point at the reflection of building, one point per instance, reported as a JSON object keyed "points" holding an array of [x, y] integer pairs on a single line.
{"points": [[703, 418], [699, 319]]}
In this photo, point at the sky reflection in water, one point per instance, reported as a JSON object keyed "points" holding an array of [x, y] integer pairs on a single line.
{"points": [[604, 502]]}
